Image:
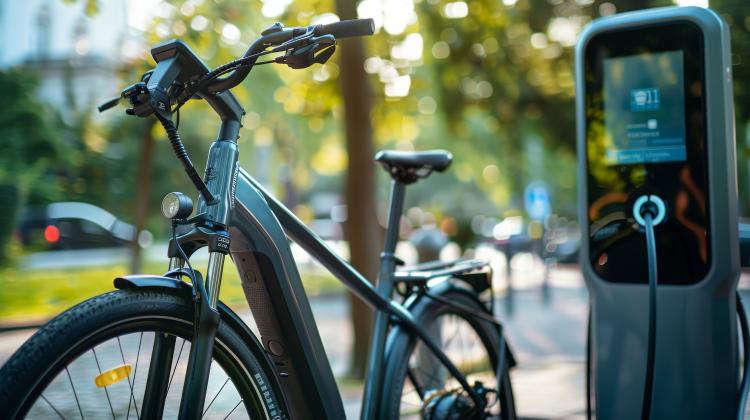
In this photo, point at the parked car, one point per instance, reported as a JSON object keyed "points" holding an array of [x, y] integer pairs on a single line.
{"points": [[73, 225]]}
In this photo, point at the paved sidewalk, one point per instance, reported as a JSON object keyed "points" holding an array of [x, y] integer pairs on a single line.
{"points": [[547, 383], [545, 328]]}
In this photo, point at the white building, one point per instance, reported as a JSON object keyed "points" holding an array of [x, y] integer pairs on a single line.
{"points": [[75, 55]]}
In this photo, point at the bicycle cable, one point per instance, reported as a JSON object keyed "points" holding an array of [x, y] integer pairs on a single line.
{"points": [[181, 252], [196, 86], [179, 150]]}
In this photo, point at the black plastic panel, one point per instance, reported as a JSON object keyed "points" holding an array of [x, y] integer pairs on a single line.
{"points": [[647, 137]]}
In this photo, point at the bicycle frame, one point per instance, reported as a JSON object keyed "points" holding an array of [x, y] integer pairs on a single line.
{"points": [[260, 248], [259, 227]]}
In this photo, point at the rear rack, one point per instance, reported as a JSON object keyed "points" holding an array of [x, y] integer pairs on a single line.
{"points": [[431, 270], [477, 273]]}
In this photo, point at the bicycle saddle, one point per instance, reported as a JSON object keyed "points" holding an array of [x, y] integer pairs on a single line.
{"points": [[407, 167]]}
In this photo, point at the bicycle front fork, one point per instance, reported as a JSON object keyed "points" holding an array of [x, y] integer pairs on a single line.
{"points": [[206, 322], [201, 350]]}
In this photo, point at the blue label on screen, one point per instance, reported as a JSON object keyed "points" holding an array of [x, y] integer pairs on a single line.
{"points": [[644, 109]]}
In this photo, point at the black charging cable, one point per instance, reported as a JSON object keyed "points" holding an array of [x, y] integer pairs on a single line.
{"points": [[648, 218], [652, 284]]}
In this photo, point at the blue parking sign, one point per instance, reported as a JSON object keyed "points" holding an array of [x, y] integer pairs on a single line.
{"points": [[536, 200]]}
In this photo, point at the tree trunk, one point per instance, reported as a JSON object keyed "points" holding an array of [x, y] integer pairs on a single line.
{"points": [[142, 192], [10, 204], [361, 227]]}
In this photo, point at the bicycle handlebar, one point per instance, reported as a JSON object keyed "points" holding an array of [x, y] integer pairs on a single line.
{"points": [[347, 28], [342, 29], [274, 36]]}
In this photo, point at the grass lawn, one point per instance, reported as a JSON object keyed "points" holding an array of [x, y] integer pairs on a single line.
{"points": [[32, 296]]}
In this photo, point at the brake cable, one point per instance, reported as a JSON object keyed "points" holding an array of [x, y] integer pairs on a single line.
{"points": [[192, 88], [179, 150]]}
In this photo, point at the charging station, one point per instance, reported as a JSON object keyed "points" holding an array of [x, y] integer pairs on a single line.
{"points": [[658, 200]]}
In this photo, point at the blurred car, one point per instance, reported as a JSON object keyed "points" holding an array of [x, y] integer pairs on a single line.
{"points": [[74, 225]]}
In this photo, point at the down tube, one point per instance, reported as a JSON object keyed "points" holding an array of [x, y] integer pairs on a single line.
{"points": [[274, 291]]}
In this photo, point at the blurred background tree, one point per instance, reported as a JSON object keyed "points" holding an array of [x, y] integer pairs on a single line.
{"points": [[31, 146]]}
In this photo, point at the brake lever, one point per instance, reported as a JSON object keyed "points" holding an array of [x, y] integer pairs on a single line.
{"points": [[318, 50], [139, 97], [295, 42]]}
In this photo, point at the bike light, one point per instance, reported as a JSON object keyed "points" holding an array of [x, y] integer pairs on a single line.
{"points": [[176, 205]]}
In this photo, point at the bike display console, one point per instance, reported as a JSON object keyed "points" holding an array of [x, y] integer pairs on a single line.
{"points": [[655, 128]]}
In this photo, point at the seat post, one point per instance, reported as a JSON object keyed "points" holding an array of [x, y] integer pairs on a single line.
{"points": [[396, 207]]}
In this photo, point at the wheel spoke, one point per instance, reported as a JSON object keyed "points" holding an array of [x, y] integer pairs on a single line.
{"points": [[235, 407], [135, 376], [75, 394], [130, 384], [215, 396], [53, 407], [430, 375], [465, 347], [450, 340], [98, 366], [414, 382], [175, 366]]}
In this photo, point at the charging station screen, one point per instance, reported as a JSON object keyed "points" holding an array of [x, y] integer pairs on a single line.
{"points": [[644, 108], [645, 134]]}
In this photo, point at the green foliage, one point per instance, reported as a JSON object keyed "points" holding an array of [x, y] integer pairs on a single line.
{"points": [[29, 141], [495, 87], [29, 145], [41, 294]]}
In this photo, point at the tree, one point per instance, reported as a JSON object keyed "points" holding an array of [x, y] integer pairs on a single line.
{"points": [[30, 145], [362, 230]]}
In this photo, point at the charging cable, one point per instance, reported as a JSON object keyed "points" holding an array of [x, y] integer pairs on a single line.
{"points": [[649, 211], [651, 215], [648, 218]]}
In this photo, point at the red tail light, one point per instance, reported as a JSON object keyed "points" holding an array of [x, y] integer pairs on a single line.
{"points": [[51, 234]]}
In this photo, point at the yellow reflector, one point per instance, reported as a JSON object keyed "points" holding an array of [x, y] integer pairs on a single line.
{"points": [[113, 376]]}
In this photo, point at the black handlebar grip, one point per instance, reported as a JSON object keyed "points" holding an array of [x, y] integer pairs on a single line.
{"points": [[109, 104], [348, 28]]}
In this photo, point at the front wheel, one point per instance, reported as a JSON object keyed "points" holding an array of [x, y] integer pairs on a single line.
{"points": [[99, 360], [420, 387]]}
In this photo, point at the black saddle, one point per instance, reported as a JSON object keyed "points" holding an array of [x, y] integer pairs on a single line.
{"points": [[408, 167]]}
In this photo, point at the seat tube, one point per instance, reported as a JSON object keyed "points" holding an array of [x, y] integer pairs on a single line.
{"points": [[374, 384]]}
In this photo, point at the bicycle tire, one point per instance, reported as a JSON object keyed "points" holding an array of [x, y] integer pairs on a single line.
{"points": [[26, 375], [402, 345]]}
